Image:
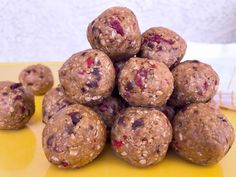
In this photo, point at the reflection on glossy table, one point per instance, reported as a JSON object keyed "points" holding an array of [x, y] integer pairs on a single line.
{"points": [[21, 152]]}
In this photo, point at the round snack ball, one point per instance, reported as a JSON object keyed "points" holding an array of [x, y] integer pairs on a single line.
{"points": [[202, 134], [88, 77], [164, 45], [145, 82], [38, 79], [194, 82], [115, 32], [108, 109], [53, 101], [74, 137], [16, 105], [141, 136]]}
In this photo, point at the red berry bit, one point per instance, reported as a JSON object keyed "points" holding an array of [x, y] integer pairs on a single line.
{"points": [[129, 86], [81, 72], [206, 85], [65, 164], [103, 107], [117, 144], [115, 24], [15, 86], [90, 62], [140, 76], [159, 38]]}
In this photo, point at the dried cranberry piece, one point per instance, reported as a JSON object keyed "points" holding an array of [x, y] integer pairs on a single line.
{"points": [[18, 97], [206, 85], [139, 77], [92, 84], [115, 24], [117, 144], [90, 62], [75, 117], [65, 164], [22, 109], [159, 48], [81, 72], [159, 38], [103, 107], [150, 45], [125, 137], [129, 86], [4, 93], [15, 86], [138, 123], [67, 102]]}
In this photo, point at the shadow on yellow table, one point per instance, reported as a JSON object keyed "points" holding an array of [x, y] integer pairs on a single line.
{"points": [[21, 152]]}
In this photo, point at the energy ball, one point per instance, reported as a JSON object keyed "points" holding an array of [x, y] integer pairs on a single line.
{"points": [[145, 82], [88, 77], [202, 135], [16, 105], [164, 45], [53, 101], [115, 32], [194, 82], [108, 110], [38, 79], [74, 137], [141, 136]]}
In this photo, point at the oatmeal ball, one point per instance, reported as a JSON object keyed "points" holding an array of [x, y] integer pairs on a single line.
{"points": [[38, 79], [74, 137], [87, 77], [202, 135], [163, 45], [145, 82], [108, 109], [16, 105], [194, 82], [141, 136], [53, 101], [115, 32]]}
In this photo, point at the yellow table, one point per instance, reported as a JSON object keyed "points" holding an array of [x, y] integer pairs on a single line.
{"points": [[21, 153]]}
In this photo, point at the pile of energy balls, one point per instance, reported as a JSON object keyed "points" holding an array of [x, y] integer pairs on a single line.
{"points": [[132, 91]]}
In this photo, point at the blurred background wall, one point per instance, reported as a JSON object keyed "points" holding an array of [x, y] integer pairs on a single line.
{"points": [[35, 30]]}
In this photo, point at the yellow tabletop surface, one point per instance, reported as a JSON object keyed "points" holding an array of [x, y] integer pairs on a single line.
{"points": [[21, 153]]}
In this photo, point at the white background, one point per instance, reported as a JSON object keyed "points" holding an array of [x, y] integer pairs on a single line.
{"points": [[52, 30]]}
